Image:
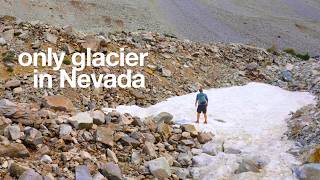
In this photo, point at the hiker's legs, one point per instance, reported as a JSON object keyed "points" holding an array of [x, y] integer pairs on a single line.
{"points": [[205, 118], [198, 117]]}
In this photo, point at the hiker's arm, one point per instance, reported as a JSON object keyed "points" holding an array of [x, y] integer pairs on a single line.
{"points": [[196, 101], [207, 100]]}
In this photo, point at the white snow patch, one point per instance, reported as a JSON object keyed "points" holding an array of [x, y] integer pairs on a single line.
{"points": [[254, 120]]}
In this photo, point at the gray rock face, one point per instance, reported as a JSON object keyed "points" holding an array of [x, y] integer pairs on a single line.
{"points": [[30, 174], [159, 168], [308, 171], [111, 171], [82, 173]]}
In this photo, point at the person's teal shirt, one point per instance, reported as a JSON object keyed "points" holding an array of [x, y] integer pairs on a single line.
{"points": [[202, 98]]}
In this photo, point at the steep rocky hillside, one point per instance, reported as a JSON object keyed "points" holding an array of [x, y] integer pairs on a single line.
{"points": [[47, 125]]}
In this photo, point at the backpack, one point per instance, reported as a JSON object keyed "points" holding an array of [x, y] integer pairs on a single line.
{"points": [[202, 98]]}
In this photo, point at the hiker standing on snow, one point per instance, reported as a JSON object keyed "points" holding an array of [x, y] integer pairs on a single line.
{"points": [[202, 103]]}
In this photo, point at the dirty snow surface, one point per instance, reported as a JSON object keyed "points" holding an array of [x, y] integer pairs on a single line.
{"points": [[250, 118]]}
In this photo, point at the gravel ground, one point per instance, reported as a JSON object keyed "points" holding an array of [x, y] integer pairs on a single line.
{"points": [[283, 23]]}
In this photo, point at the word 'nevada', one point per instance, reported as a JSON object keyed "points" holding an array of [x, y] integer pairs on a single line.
{"points": [[74, 80], [81, 60]]}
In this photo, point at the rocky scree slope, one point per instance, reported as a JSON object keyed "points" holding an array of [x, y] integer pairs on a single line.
{"points": [[44, 124]]}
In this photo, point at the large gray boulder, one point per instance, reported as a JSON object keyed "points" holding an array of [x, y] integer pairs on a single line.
{"points": [[163, 117], [308, 171], [159, 168], [212, 148], [33, 136], [111, 171], [12, 132], [7, 108], [82, 173], [30, 174]]}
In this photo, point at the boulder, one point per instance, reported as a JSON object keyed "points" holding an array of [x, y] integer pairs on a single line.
{"points": [[164, 130], [151, 124], [313, 155], [81, 120], [3, 124], [82, 173], [202, 160], [12, 132], [85, 155], [50, 37], [33, 136], [129, 141], [12, 84], [163, 117], [14, 150], [46, 159], [182, 173], [251, 164], [91, 42], [137, 122], [159, 168], [204, 137], [7, 108], [105, 136], [64, 130], [185, 159], [136, 157], [2, 41], [308, 171], [212, 148], [98, 117], [112, 155], [99, 176], [16, 170], [149, 149], [30, 174], [190, 128], [60, 103], [111, 171]]}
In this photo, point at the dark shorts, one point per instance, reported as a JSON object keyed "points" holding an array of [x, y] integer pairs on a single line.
{"points": [[202, 108]]}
